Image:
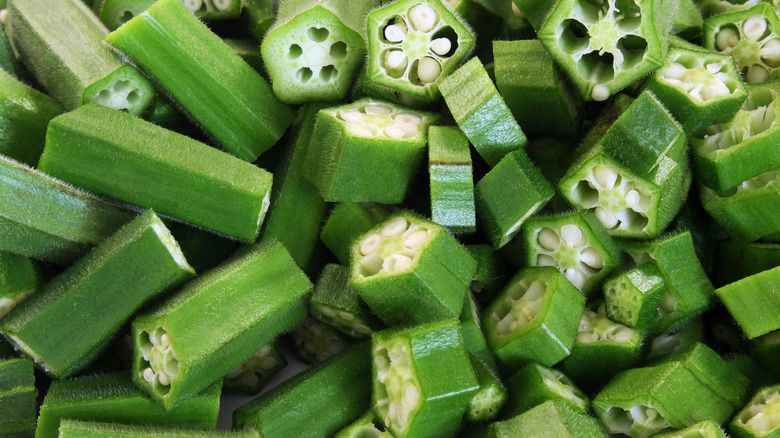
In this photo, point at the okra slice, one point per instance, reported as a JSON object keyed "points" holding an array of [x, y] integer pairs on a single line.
{"points": [[534, 11], [710, 8], [699, 88], [753, 303], [534, 319], [24, 118], [314, 49], [603, 46], [551, 418], [576, 244], [87, 429], [760, 417], [767, 350], [106, 286], [7, 56], [17, 398], [411, 271], [257, 16], [633, 297], [222, 93], [346, 222], [508, 194], [79, 69], [334, 393], [367, 426], [19, 278], [688, 21], [114, 13], [481, 16], [252, 374], [180, 348], [727, 154], [490, 275], [668, 343], [409, 395], [412, 44], [535, 384], [114, 398], [314, 342], [355, 143], [704, 429], [481, 113], [126, 158], [336, 303], [737, 260], [452, 183]]}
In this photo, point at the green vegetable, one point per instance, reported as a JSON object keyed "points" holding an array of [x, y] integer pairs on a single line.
{"points": [[336, 303], [452, 184], [347, 221], [252, 374], [551, 418], [633, 297], [759, 417], [19, 278], [534, 384], [87, 429], [314, 342], [753, 302], [17, 398]]}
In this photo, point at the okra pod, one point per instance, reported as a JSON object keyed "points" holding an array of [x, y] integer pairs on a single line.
{"points": [[364, 427], [737, 260], [704, 429], [552, 418], [534, 384], [258, 16], [87, 429], [452, 183], [314, 342], [17, 398], [347, 221], [252, 374], [633, 297], [19, 278], [753, 303], [759, 417], [336, 303], [491, 272]]}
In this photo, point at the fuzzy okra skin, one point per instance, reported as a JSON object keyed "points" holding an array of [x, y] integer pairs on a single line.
{"points": [[17, 398], [367, 426], [760, 417], [7, 57], [257, 16], [346, 222], [754, 302], [73, 317], [633, 297], [123, 157], [231, 101], [452, 183], [78, 69], [114, 13], [336, 303], [552, 418], [217, 321], [737, 260], [114, 398], [252, 374], [534, 384], [87, 429], [19, 278], [704, 429], [491, 272]]}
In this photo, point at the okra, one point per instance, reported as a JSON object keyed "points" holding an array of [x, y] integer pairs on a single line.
{"points": [[753, 303], [314, 342], [258, 16], [481, 16], [194, 337], [490, 275], [535, 11], [79, 69], [760, 417], [534, 319], [134, 161], [87, 429], [710, 8], [248, 51], [19, 278], [452, 184], [347, 221], [106, 286], [684, 338], [737, 260], [7, 57], [749, 366], [688, 21], [336, 303], [114, 398], [409, 395], [349, 162], [367, 426], [223, 94], [411, 271], [17, 398], [535, 384], [767, 350], [552, 418], [633, 297], [704, 429], [252, 374], [203, 249]]}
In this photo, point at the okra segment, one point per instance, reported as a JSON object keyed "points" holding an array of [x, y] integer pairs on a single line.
{"points": [[19, 278], [252, 374], [88, 429], [17, 398], [347, 221], [704, 429], [632, 298], [336, 303], [752, 302], [367, 426], [452, 184], [760, 417], [551, 418], [490, 275], [535, 384], [314, 342]]}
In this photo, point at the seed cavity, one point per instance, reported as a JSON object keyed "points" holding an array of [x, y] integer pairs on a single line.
{"points": [[396, 386], [343, 321], [595, 328], [394, 248], [636, 421], [161, 366], [519, 306], [755, 46], [317, 342], [380, 120], [255, 370], [763, 413], [121, 95], [567, 248]]}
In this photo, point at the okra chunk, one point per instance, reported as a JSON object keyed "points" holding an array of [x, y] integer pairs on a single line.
{"points": [[314, 342], [252, 374], [552, 418], [17, 398], [704, 429], [336, 303], [535, 384], [752, 302], [19, 278], [760, 417], [632, 298]]}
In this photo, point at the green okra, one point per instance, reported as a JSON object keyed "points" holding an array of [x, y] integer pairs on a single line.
{"points": [[88, 429], [195, 337], [134, 161], [534, 11], [753, 302], [685, 337], [710, 8], [759, 417], [411, 271], [163, 112], [24, 116], [633, 297], [767, 349], [491, 272], [334, 393], [79, 69], [534, 319], [114, 398], [481, 113], [747, 365], [252, 374], [314, 342], [367, 426], [248, 51], [552, 418], [688, 21], [203, 249], [17, 398], [336, 303], [114, 13], [452, 183], [222, 93], [737, 260], [7, 57], [409, 395], [258, 16], [534, 384], [704, 429], [481, 16], [346, 222], [19, 278]]}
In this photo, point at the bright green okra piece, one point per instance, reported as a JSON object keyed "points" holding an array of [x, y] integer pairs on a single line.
{"points": [[222, 93], [535, 11], [88, 429], [17, 398], [78, 69], [409, 394], [315, 47], [24, 116], [315, 403], [668, 343], [414, 44], [753, 302], [552, 418], [180, 348], [534, 384], [704, 429], [367, 426], [106, 287], [355, 143], [125, 158], [411, 271], [491, 272], [251, 376], [346, 222], [114, 398], [452, 183], [19, 278], [767, 349], [481, 112], [257, 16], [336, 303], [314, 342], [760, 417], [534, 319], [737, 260], [633, 297], [114, 13], [750, 367], [7, 57]]}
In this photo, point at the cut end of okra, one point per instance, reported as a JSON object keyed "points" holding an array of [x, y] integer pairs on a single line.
{"points": [[702, 79], [595, 328], [126, 89], [395, 248], [160, 365], [396, 387], [254, 372], [346, 322], [214, 9], [633, 297], [761, 416], [562, 386], [638, 421]]}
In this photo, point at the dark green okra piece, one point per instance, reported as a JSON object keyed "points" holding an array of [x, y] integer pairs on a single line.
{"points": [[367, 426], [7, 56], [737, 260], [452, 183], [114, 398], [78, 69], [346, 222], [633, 297], [482, 16], [255, 372], [668, 343], [17, 398], [333, 393], [753, 302], [491, 272], [767, 349], [197, 336], [534, 319], [123, 157], [704, 429], [409, 395], [66, 324], [248, 50], [88, 429], [552, 418], [411, 271], [257, 16], [202, 248], [760, 417], [336, 303], [314, 342], [19, 278], [535, 11], [688, 21], [534, 384], [222, 93], [750, 367]]}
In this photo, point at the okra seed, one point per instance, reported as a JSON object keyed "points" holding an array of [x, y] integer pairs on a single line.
{"points": [[165, 340], [370, 244], [423, 17], [757, 74], [726, 38], [592, 258], [771, 51], [428, 70], [606, 218], [576, 277], [548, 239], [395, 132], [546, 260], [193, 5], [754, 27], [441, 46], [268, 363], [587, 338], [148, 375], [3, 16], [572, 234], [416, 240], [222, 5], [395, 227], [376, 110], [407, 119], [394, 33], [623, 335], [632, 198], [346, 316], [606, 176], [6, 305], [163, 379], [396, 60], [352, 116], [600, 93]]}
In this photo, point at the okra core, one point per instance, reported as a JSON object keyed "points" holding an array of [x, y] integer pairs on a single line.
{"points": [[568, 249], [396, 387], [161, 365], [394, 248], [379, 120], [703, 81], [594, 328], [762, 414], [636, 421]]}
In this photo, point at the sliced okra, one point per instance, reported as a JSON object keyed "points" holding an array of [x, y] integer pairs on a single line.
{"points": [[534, 11], [114, 398], [252, 374], [106, 286], [750, 367], [367, 426], [760, 417], [315, 342], [603, 46], [336, 303], [753, 303], [114, 13], [258, 16], [202, 248], [17, 398], [88, 429], [535, 384], [668, 343], [128, 159], [576, 244], [248, 51], [737, 260], [688, 21], [79, 69], [710, 8], [452, 183], [480, 15], [551, 418], [222, 93], [412, 44], [767, 349], [19, 278], [411, 271], [7, 56], [703, 429], [355, 143], [346, 222], [633, 297], [534, 319], [706, 233], [179, 348], [491, 272], [408, 394]]}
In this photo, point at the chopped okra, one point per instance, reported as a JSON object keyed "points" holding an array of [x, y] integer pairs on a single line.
{"points": [[367, 426], [314, 342], [753, 303], [632, 298], [336, 303], [19, 278], [704, 429], [760, 417], [535, 384], [252, 374], [552, 418], [17, 398]]}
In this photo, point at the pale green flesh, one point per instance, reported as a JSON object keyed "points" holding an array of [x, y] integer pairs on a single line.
{"points": [[396, 387], [393, 249]]}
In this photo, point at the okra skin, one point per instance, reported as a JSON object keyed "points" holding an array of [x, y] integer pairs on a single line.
{"points": [[452, 183], [491, 272], [114, 398], [336, 303], [346, 222], [759, 416], [125, 158], [19, 278], [231, 101], [89, 429], [17, 398], [534, 384], [7, 57], [737, 260], [367, 425], [552, 418], [106, 287], [753, 303], [632, 298], [704, 429]]}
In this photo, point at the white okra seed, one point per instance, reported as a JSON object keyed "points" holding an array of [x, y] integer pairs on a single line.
{"points": [[632, 198], [428, 70], [193, 5], [548, 239], [395, 132], [148, 375], [394, 33], [576, 277], [545, 260], [395, 227], [441, 46], [222, 5], [376, 110], [396, 262], [757, 74], [407, 119], [3, 16], [517, 11], [370, 244], [165, 340], [726, 38], [571, 234], [417, 239], [396, 60], [771, 51], [754, 28], [592, 258], [606, 176], [352, 116], [600, 93], [163, 379], [423, 17]]}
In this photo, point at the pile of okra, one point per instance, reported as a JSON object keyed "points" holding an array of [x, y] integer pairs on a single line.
{"points": [[476, 218]]}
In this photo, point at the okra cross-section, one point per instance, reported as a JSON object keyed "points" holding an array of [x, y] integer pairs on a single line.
{"points": [[336, 303], [411, 271], [760, 417], [412, 44], [534, 384], [252, 374], [633, 297]]}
